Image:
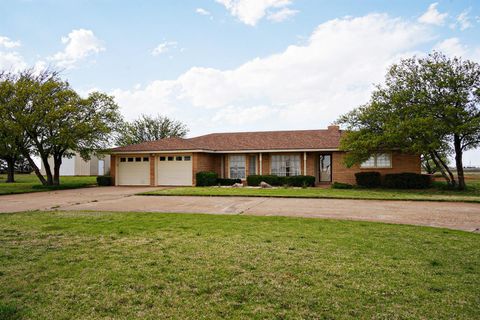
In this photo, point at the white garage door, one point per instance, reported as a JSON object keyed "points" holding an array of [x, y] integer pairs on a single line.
{"points": [[134, 171], [174, 170]]}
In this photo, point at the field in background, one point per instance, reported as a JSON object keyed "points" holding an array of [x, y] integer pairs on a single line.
{"points": [[29, 183]]}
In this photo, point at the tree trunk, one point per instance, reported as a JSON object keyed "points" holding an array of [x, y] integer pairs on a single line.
{"points": [[35, 168], [10, 169], [445, 166], [459, 162], [57, 162], [441, 168]]}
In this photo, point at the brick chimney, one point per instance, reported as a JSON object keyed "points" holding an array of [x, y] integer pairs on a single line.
{"points": [[333, 128]]}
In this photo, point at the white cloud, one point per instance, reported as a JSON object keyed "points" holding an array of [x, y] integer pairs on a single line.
{"points": [[79, 44], [463, 20], [304, 86], [454, 48], [252, 11], [8, 43], [164, 47], [202, 12], [12, 61], [432, 16], [282, 14]]}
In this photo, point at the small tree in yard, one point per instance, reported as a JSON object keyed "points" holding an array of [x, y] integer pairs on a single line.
{"points": [[428, 106], [56, 121], [148, 128]]}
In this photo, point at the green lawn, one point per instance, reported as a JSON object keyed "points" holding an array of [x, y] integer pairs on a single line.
{"points": [[87, 265], [434, 194], [29, 183]]}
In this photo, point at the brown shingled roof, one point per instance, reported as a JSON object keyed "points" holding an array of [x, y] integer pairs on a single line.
{"points": [[238, 141]]}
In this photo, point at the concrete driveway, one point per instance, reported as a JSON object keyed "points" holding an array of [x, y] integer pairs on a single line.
{"points": [[454, 215]]}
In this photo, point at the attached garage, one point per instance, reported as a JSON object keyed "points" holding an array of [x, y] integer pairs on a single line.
{"points": [[134, 171], [174, 170]]}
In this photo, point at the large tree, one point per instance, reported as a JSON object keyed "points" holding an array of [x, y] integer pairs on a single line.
{"points": [[148, 128], [429, 106], [57, 122]]}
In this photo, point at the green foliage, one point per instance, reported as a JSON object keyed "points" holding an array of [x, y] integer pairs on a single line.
{"points": [[426, 106], [206, 178], [369, 179], [341, 185], [227, 182], [407, 180], [148, 128], [51, 120], [292, 181], [104, 180]]}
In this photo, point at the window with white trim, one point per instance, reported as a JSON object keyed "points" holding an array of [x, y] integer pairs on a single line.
{"points": [[285, 165], [237, 166], [381, 160]]}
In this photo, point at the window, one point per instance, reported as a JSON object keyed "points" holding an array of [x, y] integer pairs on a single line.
{"points": [[123, 159], [178, 158], [237, 167], [162, 158], [381, 160], [187, 158], [288, 165], [130, 159], [138, 159], [170, 158], [252, 165], [145, 159]]}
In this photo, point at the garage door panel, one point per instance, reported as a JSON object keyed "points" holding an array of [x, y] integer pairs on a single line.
{"points": [[134, 171], [174, 170]]}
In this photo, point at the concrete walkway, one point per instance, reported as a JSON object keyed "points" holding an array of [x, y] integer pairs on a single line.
{"points": [[454, 215]]}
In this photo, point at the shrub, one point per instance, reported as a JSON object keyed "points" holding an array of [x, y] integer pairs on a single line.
{"points": [[369, 179], [206, 178], [254, 180], [104, 180], [299, 181], [227, 182], [340, 185], [293, 181], [407, 180]]}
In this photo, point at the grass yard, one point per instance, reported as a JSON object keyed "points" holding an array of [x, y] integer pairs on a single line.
{"points": [[438, 193], [87, 265], [26, 183]]}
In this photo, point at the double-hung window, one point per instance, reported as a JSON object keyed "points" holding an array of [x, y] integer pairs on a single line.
{"points": [[237, 166], [381, 160], [285, 165]]}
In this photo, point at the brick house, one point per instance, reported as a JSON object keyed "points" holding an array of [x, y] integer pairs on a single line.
{"points": [[175, 161]]}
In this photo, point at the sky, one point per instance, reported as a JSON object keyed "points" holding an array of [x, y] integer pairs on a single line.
{"points": [[234, 65]]}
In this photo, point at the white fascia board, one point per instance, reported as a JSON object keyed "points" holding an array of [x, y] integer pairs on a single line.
{"points": [[231, 151]]}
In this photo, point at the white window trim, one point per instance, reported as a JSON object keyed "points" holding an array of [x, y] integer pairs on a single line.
{"points": [[286, 155], [244, 166], [375, 166]]}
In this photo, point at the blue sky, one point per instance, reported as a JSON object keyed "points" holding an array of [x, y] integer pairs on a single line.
{"points": [[234, 65]]}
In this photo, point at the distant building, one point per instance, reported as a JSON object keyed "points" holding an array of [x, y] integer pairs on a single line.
{"points": [[76, 166]]}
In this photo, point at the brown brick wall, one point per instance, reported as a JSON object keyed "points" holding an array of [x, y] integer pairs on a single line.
{"points": [[113, 168], [206, 162], [400, 163], [153, 180]]}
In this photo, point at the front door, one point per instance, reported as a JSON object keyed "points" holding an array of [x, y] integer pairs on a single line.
{"points": [[325, 168]]}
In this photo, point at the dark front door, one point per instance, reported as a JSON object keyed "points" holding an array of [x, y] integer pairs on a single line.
{"points": [[325, 168]]}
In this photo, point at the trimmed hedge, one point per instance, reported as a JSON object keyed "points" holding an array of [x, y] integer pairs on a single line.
{"points": [[341, 185], [368, 179], [227, 182], [407, 180], [104, 180], [206, 178], [292, 181]]}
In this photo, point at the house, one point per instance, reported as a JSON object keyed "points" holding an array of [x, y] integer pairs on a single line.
{"points": [[76, 166], [175, 161]]}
